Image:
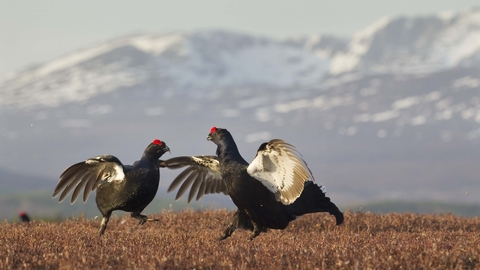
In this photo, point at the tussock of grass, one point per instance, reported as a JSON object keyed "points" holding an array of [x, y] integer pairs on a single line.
{"points": [[189, 239]]}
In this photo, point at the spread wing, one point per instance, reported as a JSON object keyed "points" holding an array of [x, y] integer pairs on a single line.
{"points": [[89, 175], [202, 176], [280, 168]]}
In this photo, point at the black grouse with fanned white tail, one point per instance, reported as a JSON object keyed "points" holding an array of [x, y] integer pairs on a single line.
{"points": [[119, 187], [274, 189]]}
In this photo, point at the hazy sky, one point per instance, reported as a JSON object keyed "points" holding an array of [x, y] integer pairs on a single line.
{"points": [[37, 31]]}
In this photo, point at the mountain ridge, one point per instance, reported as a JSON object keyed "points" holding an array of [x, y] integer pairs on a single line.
{"points": [[198, 62]]}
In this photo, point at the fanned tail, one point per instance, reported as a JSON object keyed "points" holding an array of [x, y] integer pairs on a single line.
{"points": [[313, 200]]}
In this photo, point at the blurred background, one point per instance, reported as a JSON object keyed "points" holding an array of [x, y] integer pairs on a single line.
{"points": [[382, 99]]}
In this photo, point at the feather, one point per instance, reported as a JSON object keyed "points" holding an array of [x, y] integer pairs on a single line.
{"points": [[202, 176], [280, 168]]}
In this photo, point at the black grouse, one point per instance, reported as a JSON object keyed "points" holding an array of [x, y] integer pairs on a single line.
{"points": [[129, 188], [24, 217], [270, 192]]}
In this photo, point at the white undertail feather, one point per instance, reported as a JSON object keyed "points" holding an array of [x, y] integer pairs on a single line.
{"points": [[281, 169]]}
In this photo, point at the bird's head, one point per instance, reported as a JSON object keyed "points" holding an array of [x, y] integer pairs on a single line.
{"points": [[216, 134], [157, 148]]}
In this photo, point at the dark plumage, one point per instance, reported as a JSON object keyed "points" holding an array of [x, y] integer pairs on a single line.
{"points": [[271, 191], [129, 188], [24, 217]]}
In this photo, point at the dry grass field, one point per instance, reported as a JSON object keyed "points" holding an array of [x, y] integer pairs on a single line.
{"points": [[189, 240]]}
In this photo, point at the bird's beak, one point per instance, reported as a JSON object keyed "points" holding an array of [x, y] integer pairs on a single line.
{"points": [[209, 137], [168, 149]]}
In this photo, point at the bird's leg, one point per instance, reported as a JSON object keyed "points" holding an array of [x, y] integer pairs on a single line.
{"points": [[238, 220], [103, 225], [241, 220], [256, 231], [333, 210], [228, 231], [142, 218]]}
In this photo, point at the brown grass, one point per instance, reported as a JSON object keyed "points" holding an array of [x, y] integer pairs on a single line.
{"points": [[189, 240]]}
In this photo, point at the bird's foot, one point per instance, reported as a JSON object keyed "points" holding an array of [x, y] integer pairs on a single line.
{"points": [[224, 236], [102, 230], [153, 219], [227, 233], [253, 235], [142, 218]]}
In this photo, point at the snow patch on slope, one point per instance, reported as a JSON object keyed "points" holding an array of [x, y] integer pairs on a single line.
{"points": [[361, 41], [409, 45]]}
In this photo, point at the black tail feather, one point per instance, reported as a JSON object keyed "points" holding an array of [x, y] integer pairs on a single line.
{"points": [[313, 200]]}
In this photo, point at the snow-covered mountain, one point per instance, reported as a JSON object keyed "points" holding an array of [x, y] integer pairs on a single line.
{"points": [[392, 112], [199, 61], [192, 63], [412, 45]]}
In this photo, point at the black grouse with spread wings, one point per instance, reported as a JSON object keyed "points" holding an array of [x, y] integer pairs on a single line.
{"points": [[119, 187], [274, 189]]}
